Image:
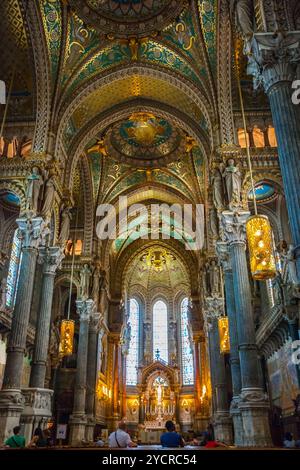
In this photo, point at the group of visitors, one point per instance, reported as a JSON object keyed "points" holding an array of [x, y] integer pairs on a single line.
{"points": [[40, 438], [122, 439]]}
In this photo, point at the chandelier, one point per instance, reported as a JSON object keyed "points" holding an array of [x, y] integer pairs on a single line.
{"points": [[66, 337], [258, 228], [223, 327]]}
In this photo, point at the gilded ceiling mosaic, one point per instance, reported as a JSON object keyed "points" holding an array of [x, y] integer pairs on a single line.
{"points": [[144, 140], [127, 17]]}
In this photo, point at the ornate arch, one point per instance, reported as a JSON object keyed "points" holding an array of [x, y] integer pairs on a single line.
{"points": [[88, 206], [17, 188], [42, 74], [120, 112]]}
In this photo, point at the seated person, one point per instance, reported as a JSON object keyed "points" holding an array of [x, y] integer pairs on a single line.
{"points": [[171, 438], [210, 443], [289, 442], [17, 440], [120, 438]]}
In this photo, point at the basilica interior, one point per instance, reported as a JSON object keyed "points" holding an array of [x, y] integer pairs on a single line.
{"points": [[110, 110]]}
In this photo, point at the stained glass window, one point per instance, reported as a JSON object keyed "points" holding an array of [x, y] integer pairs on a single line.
{"points": [[160, 331], [13, 271], [132, 360], [186, 351]]}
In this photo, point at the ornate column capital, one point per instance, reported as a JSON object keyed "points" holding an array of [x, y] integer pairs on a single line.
{"points": [[213, 309], [51, 258], [32, 231], [273, 58], [234, 226], [222, 250], [85, 308]]}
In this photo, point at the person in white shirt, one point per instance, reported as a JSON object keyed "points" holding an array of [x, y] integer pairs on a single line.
{"points": [[120, 438]]}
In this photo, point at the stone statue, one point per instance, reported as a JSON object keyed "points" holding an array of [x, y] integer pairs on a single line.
{"points": [[85, 276], [65, 226], [147, 340], [213, 223], [3, 292], [102, 292], [214, 277], [173, 343], [243, 11], [218, 191], [48, 197], [96, 285], [233, 184], [34, 183]]}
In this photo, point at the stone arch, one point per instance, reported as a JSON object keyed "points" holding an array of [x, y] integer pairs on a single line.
{"points": [[67, 108], [121, 111]]}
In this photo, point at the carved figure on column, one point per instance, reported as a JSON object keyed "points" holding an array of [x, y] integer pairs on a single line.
{"points": [[48, 197], [214, 277], [233, 184], [65, 226], [3, 292], [173, 342], [34, 183], [96, 285], [147, 337], [243, 10], [103, 292], [213, 223], [218, 189], [85, 279]]}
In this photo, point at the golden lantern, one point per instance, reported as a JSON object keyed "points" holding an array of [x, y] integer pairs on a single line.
{"points": [[66, 337], [224, 335], [260, 242]]}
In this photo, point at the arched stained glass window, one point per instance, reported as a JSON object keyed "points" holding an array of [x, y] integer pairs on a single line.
{"points": [[13, 271], [186, 351], [132, 360], [160, 331]]}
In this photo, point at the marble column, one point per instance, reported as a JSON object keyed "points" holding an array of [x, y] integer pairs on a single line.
{"points": [[115, 407], [273, 63], [91, 376], [78, 419], [50, 258], [214, 307], [253, 402], [11, 400], [235, 412]]}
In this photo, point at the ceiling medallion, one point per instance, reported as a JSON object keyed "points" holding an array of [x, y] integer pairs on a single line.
{"points": [[157, 259], [145, 140], [125, 18]]}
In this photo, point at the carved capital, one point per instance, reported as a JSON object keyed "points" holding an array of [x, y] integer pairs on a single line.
{"points": [[32, 231], [213, 308], [253, 398], [273, 58], [85, 308], [234, 226], [51, 258]]}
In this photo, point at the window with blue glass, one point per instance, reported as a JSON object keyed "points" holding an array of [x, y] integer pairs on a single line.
{"points": [[13, 271], [160, 331], [132, 360], [186, 350]]}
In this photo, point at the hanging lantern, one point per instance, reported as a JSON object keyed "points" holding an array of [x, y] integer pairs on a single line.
{"points": [[260, 242], [224, 335], [66, 337]]}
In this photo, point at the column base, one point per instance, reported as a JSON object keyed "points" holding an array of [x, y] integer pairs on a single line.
{"points": [[223, 428], [237, 421], [78, 424], [11, 407], [89, 429], [37, 409], [254, 408]]}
